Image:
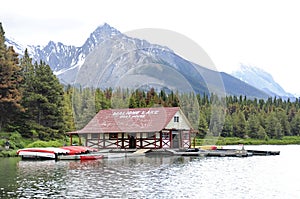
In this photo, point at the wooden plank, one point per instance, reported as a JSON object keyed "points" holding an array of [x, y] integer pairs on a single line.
{"points": [[141, 151]]}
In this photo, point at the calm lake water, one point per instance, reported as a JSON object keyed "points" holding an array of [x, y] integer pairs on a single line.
{"points": [[156, 177]]}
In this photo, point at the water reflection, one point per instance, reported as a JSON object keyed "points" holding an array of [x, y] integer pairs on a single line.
{"points": [[121, 178], [8, 175], [155, 177]]}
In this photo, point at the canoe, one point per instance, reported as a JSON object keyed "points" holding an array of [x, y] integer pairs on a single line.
{"points": [[59, 153], [78, 149], [74, 150], [91, 157], [209, 147], [81, 157], [41, 153]]}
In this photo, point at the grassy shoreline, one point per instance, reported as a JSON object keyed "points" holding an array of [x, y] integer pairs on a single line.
{"points": [[286, 140]]}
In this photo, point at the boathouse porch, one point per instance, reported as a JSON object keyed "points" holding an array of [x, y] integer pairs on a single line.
{"points": [[140, 140]]}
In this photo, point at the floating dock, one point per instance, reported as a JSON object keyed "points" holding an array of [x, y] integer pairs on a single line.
{"points": [[211, 153], [121, 153], [257, 152], [205, 153]]}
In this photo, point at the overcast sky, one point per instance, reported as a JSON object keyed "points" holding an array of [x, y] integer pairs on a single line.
{"points": [[261, 33]]}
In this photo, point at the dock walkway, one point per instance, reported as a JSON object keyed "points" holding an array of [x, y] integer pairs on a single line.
{"points": [[119, 153], [212, 153]]}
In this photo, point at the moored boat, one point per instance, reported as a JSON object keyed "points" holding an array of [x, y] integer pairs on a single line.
{"points": [[41, 153], [91, 157], [57, 153], [82, 157], [78, 149]]}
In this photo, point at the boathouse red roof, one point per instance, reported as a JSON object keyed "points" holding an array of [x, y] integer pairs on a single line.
{"points": [[130, 120]]}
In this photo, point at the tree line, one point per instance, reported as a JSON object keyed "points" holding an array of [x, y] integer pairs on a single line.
{"points": [[230, 116], [34, 103], [31, 96], [256, 118]]}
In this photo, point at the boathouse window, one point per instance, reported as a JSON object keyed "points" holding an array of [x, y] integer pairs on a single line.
{"points": [[151, 135], [95, 135], [176, 118], [113, 135], [186, 135], [165, 135]]}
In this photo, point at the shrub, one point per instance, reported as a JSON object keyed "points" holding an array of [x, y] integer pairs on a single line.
{"points": [[8, 153], [16, 141]]}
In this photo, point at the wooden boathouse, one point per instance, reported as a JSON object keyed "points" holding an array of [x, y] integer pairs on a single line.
{"points": [[137, 128]]}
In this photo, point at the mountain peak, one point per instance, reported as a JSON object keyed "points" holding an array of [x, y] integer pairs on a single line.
{"points": [[101, 33], [260, 79], [105, 25], [105, 30], [51, 43]]}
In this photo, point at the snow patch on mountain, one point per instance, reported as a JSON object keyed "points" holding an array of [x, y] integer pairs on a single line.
{"points": [[260, 79]]}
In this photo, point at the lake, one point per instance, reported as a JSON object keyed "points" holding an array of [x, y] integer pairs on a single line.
{"points": [[156, 177]]}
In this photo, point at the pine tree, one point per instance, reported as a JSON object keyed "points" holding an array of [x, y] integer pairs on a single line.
{"points": [[68, 112], [43, 100], [227, 127], [10, 81], [132, 102], [216, 120], [261, 134], [283, 119], [273, 126], [239, 125], [295, 124], [83, 106], [202, 126], [51, 105], [253, 126], [25, 121]]}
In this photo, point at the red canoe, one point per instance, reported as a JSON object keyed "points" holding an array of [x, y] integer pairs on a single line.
{"points": [[79, 149], [91, 157]]}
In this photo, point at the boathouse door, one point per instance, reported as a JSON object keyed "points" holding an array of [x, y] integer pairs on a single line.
{"points": [[175, 139], [132, 142]]}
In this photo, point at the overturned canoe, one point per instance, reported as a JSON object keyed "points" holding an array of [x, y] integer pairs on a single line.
{"points": [[41, 153], [67, 152], [81, 157]]}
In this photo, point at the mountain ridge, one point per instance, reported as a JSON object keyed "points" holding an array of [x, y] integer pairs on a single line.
{"points": [[110, 54], [262, 80]]}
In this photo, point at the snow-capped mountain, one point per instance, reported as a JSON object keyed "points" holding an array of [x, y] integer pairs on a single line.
{"points": [[109, 58], [18, 47], [63, 58], [261, 79]]}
